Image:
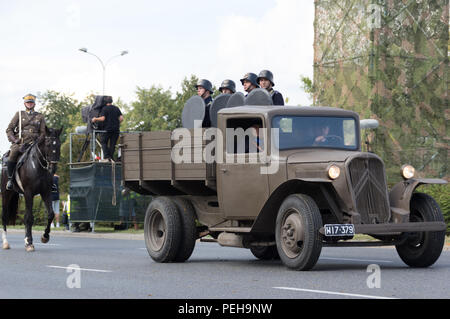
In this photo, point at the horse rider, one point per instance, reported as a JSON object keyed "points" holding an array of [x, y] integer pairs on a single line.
{"points": [[249, 82], [204, 90], [265, 80], [25, 128], [227, 87]]}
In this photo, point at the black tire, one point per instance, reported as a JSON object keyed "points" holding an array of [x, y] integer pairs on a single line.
{"points": [[265, 252], [299, 242], [422, 249], [162, 230], [188, 229]]}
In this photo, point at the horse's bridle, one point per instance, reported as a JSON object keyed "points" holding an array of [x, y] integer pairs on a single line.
{"points": [[47, 165]]}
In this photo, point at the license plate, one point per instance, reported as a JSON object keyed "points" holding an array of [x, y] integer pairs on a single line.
{"points": [[339, 230]]}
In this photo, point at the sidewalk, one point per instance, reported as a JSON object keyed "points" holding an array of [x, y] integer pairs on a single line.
{"points": [[62, 233]]}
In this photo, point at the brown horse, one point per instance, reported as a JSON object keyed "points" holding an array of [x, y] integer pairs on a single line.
{"points": [[34, 175]]}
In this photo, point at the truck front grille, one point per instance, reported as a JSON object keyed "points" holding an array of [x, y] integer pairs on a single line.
{"points": [[368, 183]]}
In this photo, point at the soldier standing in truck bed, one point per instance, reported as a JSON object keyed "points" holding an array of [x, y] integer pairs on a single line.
{"points": [[249, 82], [204, 90], [25, 128], [265, 80], [227, 87]]}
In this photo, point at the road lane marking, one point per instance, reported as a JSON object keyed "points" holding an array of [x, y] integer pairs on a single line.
{"points": [[333, 293], [76, 268], [41, 244], [353, 259]]}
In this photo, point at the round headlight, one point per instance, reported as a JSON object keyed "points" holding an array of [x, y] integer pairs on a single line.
{"points": [[408, 171], [334, 172]]}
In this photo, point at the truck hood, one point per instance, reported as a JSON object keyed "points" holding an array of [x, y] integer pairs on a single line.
{"points": [[318, 156]]}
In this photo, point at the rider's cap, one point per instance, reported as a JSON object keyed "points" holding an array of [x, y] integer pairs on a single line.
{"points": [[29, 98]]}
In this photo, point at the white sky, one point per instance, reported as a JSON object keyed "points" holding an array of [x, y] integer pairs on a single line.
{"points": [[167, 41]]}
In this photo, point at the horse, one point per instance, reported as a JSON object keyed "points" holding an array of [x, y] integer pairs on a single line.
{"points": [[33, 175]]}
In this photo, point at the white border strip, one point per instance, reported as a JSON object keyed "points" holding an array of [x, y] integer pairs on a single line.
{"points": [[333, 293]]}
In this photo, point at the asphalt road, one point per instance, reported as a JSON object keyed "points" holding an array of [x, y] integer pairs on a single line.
{"points": [[77, 267]]}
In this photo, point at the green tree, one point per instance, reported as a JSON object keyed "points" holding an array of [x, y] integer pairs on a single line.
{"points": [[158, 109], [307, 85], [57, 108]]}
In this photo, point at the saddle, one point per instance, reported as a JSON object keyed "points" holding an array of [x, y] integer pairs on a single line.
{"points": [[22, 159]]}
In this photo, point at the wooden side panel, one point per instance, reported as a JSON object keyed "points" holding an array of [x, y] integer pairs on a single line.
{"points": [[147, 156]]}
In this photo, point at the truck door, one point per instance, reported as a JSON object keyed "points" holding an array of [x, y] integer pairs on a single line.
{"points": [[242, 188]]}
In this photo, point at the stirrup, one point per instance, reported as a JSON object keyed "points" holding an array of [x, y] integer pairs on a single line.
{"points": [[10, 185]]}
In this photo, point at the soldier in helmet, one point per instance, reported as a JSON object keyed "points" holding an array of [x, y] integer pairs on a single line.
{"points": [[204, 90], [249, 82], [265, 80], [227, 87], [25, 128]]}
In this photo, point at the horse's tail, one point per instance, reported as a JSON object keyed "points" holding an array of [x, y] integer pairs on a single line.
{"points": [[10, 202], [13, 208]]}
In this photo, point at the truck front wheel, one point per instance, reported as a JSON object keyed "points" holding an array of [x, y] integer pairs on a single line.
{"points": [[422, 249], [162, 230], [297, 236]]}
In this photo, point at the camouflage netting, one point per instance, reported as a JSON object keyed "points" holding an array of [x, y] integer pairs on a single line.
{"points": [[93, 197], [388, 60]]}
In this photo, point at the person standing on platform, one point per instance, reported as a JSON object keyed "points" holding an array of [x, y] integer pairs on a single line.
{"points": [[112, 117]]}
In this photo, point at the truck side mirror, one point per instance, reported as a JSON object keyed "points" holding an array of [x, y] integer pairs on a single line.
{"points": [[368, 124]]}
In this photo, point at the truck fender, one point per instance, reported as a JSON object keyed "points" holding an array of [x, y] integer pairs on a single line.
{"points": [[400, 196], [265, 222]]}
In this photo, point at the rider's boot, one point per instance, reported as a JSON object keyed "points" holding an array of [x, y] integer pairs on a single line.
{"points": [[11, 167]]}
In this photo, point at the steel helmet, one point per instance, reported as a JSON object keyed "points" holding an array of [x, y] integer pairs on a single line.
{"points": [[206, 84], [267, 75], [250, 77], [228, 84]]}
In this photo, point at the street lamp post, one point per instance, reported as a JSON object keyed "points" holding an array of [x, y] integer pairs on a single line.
{"points": [[103, 64]]}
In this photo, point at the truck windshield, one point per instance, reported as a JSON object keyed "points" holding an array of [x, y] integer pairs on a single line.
{"points": [[315, 132]]}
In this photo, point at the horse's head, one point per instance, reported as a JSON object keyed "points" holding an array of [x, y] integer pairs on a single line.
{"points": [[52, 148]]}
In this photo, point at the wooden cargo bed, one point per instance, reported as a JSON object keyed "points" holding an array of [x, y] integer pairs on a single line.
{"points": [[147, 166]]}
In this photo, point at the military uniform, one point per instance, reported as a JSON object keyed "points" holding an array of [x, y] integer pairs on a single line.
{"points": [[32, 128], [207, 85], [207, 119], [277, 97]]}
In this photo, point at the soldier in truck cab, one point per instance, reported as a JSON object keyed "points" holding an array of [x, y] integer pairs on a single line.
{"points": [[204, 90]]}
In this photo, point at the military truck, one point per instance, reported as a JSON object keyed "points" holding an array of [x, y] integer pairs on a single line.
{"points": [[303, 185]]}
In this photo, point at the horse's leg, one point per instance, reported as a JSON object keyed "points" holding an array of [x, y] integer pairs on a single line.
{"points": [[50, 215], [28, 220], [5, 217]]}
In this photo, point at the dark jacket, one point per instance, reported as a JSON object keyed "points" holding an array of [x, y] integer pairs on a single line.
{"points": [[277, 97], [207, 119]]}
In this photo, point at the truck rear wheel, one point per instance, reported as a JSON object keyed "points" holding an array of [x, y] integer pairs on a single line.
{"points": [[162, 230], [299, 242], [188, 229], [422, 249], [265, 252]]}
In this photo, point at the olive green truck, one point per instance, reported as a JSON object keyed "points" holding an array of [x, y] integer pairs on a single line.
{"points": [[280, 181]]}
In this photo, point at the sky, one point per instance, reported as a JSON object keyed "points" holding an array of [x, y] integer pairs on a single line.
{"points": [[166, 40]]}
